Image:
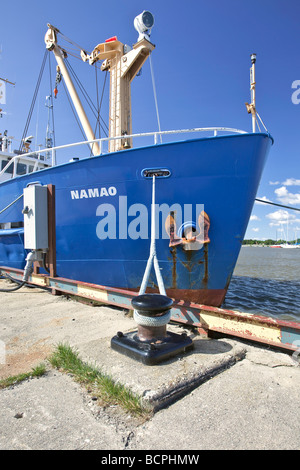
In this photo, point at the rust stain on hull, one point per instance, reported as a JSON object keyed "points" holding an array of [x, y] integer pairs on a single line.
{"points": [[203, 295], [174, 263], [212, 297], [189, 257], [205, 277]]}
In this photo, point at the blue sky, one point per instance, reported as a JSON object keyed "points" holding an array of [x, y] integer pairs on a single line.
{"points": [[201, 65]]}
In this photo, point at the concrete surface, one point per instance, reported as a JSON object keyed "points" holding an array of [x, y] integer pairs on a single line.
{"points": [[225, 394]]}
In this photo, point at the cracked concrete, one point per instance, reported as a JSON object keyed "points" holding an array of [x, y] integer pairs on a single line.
{"points": [[234, 395]]}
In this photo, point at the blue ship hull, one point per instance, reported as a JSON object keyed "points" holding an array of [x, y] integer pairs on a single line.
{"points": [[99, 201]]}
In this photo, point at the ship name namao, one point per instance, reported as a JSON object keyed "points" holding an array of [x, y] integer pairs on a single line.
{"points": [[93, 192]]}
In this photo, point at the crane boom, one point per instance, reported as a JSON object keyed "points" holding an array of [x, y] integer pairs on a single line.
{"points": [[51, 45]]}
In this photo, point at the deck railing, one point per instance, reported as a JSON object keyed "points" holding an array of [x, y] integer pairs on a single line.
{"points": [[31, 157]]}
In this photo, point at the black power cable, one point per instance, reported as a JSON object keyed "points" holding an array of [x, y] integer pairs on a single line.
{"points": [[20, 284], [14, 288]]}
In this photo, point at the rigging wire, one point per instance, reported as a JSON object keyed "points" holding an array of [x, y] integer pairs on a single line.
{"points": [[76, 48], [33, 100], [280, 205], [95, 110], [100, 104], [155, 97], [87, 97], [97, 95], [70, 41], [262, 122], [72, 108]]}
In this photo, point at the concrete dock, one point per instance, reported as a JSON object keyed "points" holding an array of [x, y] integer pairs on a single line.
{"points": [[225, 394]]}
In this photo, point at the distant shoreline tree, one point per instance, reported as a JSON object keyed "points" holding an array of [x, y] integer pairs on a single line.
{"points": [[268, 242]]}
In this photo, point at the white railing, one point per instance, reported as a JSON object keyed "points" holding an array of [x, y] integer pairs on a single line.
{"points": [[24, 158], [30, 156]]}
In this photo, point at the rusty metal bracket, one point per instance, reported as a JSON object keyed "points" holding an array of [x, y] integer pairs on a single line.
{"points": [[202, 237]]}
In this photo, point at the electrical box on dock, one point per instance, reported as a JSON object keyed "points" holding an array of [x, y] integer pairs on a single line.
{"points": [[35, 217]]}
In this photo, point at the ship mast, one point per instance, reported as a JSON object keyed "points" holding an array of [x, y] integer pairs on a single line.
{"points": [[123, 63]]}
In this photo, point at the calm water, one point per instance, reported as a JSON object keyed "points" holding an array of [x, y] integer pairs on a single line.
{"points": [[266, 281]]}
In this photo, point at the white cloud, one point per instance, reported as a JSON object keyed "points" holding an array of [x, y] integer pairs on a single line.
{"points": [[278, 217], [281, 217], [255, 229], [284, 196], [254, 217], [274, 182], [291, 182]]}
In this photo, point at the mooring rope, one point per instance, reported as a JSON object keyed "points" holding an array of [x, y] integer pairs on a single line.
{"points": [[11, 204]]}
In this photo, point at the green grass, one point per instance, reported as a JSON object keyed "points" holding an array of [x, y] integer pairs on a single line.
{"points": [[107, 390], [35, 372], [102, 386]]}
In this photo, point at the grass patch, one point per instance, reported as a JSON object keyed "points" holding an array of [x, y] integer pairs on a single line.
{"points": [[35, 372], [107, 390]]}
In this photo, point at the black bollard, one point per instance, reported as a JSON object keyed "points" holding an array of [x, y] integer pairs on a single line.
{"points": [[151, 343], [152, 314]]}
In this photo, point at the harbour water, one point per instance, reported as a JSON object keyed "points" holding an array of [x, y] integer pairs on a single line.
{"points": [[266, 281]]}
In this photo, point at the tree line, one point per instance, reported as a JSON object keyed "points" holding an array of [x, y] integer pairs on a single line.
{"points": [[269, 242]]}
